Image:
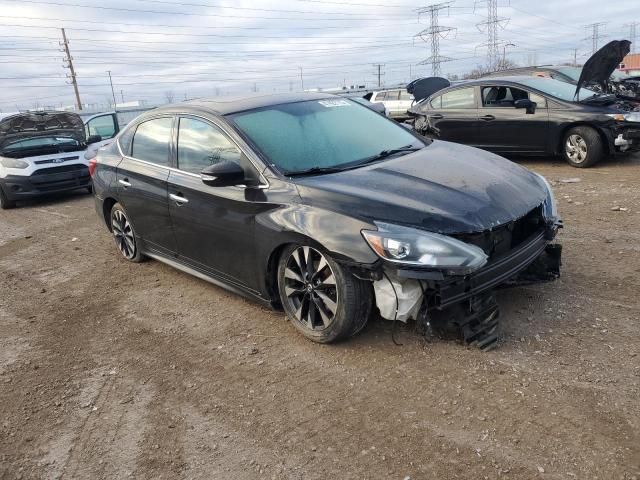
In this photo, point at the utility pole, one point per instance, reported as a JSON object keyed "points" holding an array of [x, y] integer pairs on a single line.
{"points": [[379, 74], [575, 57], [301, 79], [122, 95], [504, 54], [433, 34], [595, 35], [113, 93], [68, 63], [632, 34], [491, 25]]}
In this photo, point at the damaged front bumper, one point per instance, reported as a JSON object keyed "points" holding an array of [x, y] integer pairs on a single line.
{"points": [[412, 293], [626, 139]]}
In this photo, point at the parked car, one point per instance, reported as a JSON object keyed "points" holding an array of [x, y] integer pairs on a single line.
{"points": [[318, 205], [41, 153], [531, 116], [598, 73], [397, 101]]}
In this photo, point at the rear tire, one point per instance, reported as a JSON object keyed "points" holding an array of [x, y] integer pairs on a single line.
{"points": [[321, 299], [582, 147], [124, 234], [5, 203]]}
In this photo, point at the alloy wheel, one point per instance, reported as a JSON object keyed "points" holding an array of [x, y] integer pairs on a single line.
{"points": [[576, 148], [310, 288], [123, 234]]}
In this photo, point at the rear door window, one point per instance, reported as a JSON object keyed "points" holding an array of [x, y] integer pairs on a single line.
{"points": [[151, 141], [461, 98], [393, 95]]}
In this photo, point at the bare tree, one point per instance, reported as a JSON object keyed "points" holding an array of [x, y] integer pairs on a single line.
{"points": [[480, 70], [169, 96]]}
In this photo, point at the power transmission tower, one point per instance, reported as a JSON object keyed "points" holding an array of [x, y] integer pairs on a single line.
{"points": [[595, 34], [68, 63], [632, 34], [301, 79], [433, 34], [380, 74], [491, 25]]}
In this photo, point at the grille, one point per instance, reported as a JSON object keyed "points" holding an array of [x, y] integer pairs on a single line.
{"points": [[508, 236], [60, 169], [56, 160]]}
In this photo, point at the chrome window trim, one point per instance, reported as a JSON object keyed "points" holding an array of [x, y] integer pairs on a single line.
{"points": [[261, 186]]}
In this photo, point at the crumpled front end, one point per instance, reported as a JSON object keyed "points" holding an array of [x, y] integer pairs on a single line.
{"points": [[521, 251]]}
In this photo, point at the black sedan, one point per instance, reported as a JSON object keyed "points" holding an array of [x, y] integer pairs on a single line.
{"points": [[318, 205], [533, 116]]}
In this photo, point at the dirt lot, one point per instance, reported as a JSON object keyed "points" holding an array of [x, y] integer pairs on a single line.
{"points": [[113, 370]]}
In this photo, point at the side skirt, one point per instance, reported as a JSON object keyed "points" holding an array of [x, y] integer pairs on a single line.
{"points": [[232, 288]]}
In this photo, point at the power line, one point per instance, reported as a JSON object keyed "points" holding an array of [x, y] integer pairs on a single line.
{"points": [[434, 33], [68, 63], [182, 13], [595, 35]]}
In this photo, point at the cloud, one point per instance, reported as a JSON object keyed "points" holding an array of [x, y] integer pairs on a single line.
{"points": [[200, 48]]}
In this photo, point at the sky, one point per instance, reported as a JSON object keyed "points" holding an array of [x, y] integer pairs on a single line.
{"points": [[160, 50]]}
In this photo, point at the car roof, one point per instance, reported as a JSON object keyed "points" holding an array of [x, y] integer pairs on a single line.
{"points": [[507, 79], [238, 103]]}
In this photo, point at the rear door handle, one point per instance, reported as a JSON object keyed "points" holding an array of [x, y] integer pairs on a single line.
{"points": [[179, 199], [124, 182], [488, 118], [437, 116]]}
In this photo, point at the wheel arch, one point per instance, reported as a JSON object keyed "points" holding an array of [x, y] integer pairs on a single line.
{"points": [[601, 132], [107, 205]]}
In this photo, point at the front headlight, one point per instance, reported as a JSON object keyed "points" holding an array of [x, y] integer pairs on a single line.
{"points": [[410, 246], [625, 117], [549, 207], [13, 163]]}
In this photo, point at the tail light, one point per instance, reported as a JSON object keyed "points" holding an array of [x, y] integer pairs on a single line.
{"points": [[93, 164]]}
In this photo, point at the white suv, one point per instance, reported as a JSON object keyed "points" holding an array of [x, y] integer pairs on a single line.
{"points": [[41, 153], [397, 101]]}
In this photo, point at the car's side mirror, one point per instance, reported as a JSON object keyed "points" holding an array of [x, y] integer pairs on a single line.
{"points": [[94, 139], [223, 174], [526, 103]]}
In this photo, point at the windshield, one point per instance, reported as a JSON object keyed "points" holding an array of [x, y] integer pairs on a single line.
{"points": [[572, 72], [324, 134], [42, 142], [556, 88]]}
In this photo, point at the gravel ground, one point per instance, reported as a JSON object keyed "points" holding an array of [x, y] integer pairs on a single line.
{"points": [[114, 370]]}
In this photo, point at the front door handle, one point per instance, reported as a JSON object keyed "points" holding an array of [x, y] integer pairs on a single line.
{"points": [[124, 182], [179, 199], [488, 118], [437, 116]]}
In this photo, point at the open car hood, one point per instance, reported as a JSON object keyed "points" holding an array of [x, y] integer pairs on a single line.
{"points": [[41, 124], [601, 65]]}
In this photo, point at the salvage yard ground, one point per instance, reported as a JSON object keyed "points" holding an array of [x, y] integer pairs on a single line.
{"points": [[114, 370]]}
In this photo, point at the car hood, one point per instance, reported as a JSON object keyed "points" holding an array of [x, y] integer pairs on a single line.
{"points": [[445, 187], [602, 64], [41, 124]]}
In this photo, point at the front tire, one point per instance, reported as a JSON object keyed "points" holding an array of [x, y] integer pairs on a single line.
{"points": [[582, 147], [124, 235], [322, 300], [5, 203]]}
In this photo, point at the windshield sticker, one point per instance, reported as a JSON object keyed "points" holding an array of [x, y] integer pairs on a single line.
{"points": [[334, 103]]}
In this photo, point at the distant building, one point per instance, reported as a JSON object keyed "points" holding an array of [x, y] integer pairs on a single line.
{"points": [[631, 64]]}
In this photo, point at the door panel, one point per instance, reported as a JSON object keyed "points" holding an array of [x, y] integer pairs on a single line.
{"points": [[142, 184], [214, 228], [142, 189], [455, 115], [504, 128]]}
